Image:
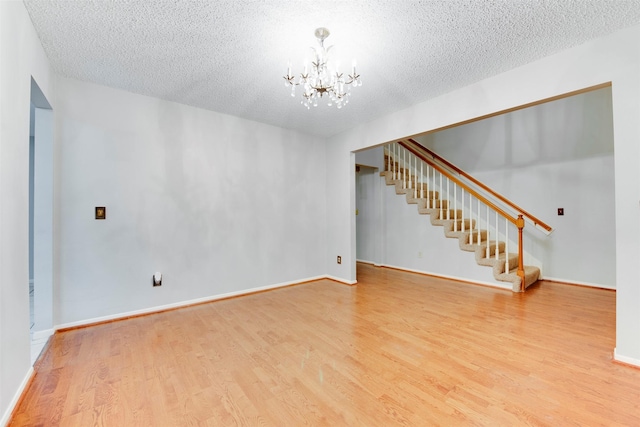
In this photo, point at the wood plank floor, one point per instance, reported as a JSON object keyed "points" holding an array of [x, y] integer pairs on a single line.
{"points": [[397, 349]]}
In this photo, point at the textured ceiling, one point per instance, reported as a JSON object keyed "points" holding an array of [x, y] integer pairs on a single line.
{"points": [[230, 55]]}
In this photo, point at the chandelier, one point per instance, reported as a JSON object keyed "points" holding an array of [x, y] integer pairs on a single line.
{"points": [[324, 78]]}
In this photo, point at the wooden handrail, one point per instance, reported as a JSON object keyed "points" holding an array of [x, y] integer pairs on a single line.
{"points": [[533, 219], [446, 173]]}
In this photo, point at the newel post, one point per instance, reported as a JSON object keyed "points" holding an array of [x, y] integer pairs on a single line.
{"points": [[520, 225]]}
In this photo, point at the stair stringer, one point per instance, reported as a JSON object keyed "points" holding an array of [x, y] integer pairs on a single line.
{"points": [[480, 250]]}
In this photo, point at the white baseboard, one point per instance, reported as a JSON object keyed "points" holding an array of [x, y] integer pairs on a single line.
{"points": [[446, 276], [186, 303], [375, 264], [573, 282], [38, 341], [38, 336], [625, 359], [16, 397], [341, 280]]}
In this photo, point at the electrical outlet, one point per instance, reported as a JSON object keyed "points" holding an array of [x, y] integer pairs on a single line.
{"points": [[560, 211], [339, 260]]}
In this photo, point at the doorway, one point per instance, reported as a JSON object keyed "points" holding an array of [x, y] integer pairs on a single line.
{"points": [[369, 208]]}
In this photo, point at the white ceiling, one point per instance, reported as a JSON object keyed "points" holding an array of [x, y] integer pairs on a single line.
{"points": [[230, 55]]}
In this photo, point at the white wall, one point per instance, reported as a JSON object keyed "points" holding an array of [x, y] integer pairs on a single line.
{"points": [[554, 155], [216, 203], [615, 58], [373, 157], [21, 57]]}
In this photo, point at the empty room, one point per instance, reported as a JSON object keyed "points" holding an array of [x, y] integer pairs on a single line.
{"points": [[319, 213]]}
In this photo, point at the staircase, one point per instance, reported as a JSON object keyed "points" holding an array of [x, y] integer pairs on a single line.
{"points": [[489, 250]]}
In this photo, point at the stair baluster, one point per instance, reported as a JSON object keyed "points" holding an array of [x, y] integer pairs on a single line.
{"points": [[488, 234], [429, 186], [433, 194], [455, 208], [415, 168], [393, 165], [396, 161], [410, 177], [462, 199], [404, 169], [470, 219], [497, 251], [507, 267], [440, 199], [449, 199], [421, 180], [479, 224]]}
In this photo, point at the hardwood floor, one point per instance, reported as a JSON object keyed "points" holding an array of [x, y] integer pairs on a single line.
{"points": [[397, 349]]}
